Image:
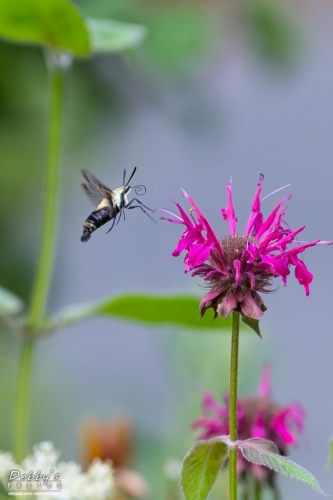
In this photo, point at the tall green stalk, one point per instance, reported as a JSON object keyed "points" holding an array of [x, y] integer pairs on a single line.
{"points": [[233, 405], [41, 285], [44, 271], [23, 398]]}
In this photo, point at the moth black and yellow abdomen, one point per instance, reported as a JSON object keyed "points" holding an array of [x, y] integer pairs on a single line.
{"points": [[96, 219]]}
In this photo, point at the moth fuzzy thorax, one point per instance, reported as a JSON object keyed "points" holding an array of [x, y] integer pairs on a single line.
{"points": [[121, 194]]}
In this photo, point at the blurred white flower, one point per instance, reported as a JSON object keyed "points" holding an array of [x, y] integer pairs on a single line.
{"points": [[6, 465], [44, 457], [172, 469], [96, 484]]}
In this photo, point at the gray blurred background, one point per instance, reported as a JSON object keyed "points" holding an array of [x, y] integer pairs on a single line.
{"points": [[215, 90]]}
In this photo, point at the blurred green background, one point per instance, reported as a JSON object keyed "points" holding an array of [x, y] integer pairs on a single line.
{"points": [[195, 93]]}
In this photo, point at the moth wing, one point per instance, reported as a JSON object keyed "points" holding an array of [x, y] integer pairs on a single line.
{"points": [[95, 189]]}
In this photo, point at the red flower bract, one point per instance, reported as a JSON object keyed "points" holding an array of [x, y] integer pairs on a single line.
{"points": [[238, 266]]}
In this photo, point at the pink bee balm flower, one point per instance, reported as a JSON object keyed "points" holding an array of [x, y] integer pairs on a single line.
{"points": [[238, 266], [257, 416]]}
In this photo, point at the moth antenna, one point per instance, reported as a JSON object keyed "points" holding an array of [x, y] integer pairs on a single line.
{"points": [[129, 180]]}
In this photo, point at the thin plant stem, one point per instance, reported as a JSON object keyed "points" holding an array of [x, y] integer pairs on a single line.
{"points": [[45, 264], [44, 269], [233, 405], [257, 491], [23, 398]]}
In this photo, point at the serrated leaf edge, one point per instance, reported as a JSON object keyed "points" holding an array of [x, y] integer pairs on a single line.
{"points": [[189, 453], [283, 459]]}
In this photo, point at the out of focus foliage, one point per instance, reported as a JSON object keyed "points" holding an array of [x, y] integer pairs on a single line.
{"points": [[182, 32], [179, 35], [153, 310], [57, 25], [272, 29]]}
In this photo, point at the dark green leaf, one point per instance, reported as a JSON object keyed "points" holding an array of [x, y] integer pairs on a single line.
{"points": [[264, 452], [201, 466], [181, 310], [272, 29], [252, 323], [55, 23], [9, 303], [162, 309], [114, 36]]}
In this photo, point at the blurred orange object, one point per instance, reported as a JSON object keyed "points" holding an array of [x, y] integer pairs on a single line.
{"points": [[114, 441]]}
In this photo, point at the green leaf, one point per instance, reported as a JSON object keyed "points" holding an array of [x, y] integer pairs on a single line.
{"points": [[178, 34], [273, 31], [201, 466], [55, 23], [114, 36], [258, 445], [264, 452], [181, 310], [252, 323], [9, 303], [330, 455], [164, 309]]}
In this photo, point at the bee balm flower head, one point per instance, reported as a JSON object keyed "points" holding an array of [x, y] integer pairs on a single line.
{"points": [[258, 416], [238, 267]]}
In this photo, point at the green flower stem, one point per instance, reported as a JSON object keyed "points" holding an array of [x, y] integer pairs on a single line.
{"points": [[257, 491], [233, 405], [23, 399], [45, 264], [44, 271]]}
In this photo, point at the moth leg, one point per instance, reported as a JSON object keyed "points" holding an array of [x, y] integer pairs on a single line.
{"points": [[143, 210], [112, 226], [122, 206], [140, 203], [121, 210]]}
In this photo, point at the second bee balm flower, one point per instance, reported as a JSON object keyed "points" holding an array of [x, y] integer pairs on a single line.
{"points": [[237, 267]]}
